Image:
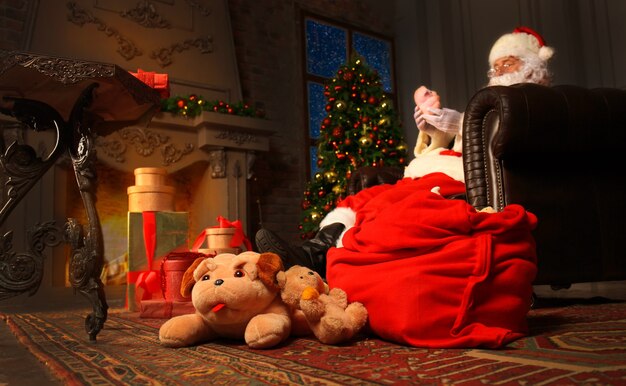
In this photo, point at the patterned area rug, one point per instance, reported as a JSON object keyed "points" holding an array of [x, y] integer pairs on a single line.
{"points": [[569, 345]]}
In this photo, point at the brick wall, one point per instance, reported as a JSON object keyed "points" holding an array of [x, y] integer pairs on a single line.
{"points": [[268, 43], [15, 16]]}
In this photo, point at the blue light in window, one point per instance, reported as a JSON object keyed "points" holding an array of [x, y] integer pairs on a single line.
{"points": [[377, 54], [317, 111], [326, 48]]}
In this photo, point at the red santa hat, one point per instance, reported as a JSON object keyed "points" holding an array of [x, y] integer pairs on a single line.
{"points": [[523, 42]]}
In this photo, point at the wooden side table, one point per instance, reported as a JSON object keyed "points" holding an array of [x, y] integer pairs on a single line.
{"points": [[74, 99]]}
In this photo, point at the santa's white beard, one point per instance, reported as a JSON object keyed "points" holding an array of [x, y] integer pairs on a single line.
{"points": [[534, 70], [509, 79]]}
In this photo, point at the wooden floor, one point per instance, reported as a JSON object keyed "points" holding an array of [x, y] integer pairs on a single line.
{"points": [[20, 368]]}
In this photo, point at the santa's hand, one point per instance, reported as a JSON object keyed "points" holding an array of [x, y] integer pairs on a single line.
{"points": [[420, 122], [447, 120]]}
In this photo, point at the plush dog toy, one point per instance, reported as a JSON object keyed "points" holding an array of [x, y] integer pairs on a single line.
{"points": [[235, 296], [328, 314]]}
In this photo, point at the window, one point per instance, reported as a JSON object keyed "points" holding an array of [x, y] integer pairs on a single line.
{"points": [[327, 46]]}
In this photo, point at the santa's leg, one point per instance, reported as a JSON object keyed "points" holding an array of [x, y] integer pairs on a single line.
{"points": [[312, 253]]}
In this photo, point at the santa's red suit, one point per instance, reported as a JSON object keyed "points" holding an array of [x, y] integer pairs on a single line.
{"points": [[432, 271]]}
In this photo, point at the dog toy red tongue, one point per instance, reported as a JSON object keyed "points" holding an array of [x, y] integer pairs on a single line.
{"points": [[218, 307]]}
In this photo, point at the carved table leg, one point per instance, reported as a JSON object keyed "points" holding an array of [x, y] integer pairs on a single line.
{"points": [[86, 260], [23, 272]]}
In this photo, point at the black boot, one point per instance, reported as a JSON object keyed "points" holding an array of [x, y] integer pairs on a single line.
{"points": [[311, 254]]}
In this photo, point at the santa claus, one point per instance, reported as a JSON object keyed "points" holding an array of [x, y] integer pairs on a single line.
{"points": [[517, 57], [432, 271]]}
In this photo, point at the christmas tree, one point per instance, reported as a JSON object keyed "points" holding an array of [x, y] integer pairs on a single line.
{"points": [[361, 128]]}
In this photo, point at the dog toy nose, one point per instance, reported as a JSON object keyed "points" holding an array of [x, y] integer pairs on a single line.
{"points": [[219, 282]]}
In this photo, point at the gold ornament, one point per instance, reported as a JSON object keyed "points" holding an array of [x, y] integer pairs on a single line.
{"points": [[340, 105], [401, 147], [318, 176], [331, 177], [315, 216], [337, 189], [383, 121], [365, 141]]}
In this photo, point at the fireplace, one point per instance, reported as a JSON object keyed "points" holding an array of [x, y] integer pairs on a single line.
{"points": [[208, 159]]}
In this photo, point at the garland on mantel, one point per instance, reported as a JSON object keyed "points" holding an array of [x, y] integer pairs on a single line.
{"points": [[193, 105]]}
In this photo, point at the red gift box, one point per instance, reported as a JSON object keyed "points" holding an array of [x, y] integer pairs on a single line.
{"points": [[173, 267], [164, 309], [159, 82]]}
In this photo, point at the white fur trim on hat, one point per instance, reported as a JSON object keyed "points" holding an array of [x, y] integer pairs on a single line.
{"points": [[521, 44]]}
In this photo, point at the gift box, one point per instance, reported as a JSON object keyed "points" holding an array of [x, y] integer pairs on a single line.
{"points": [[164, 309], [159, 82], [151, 236], [173, 268], [225, 237]]}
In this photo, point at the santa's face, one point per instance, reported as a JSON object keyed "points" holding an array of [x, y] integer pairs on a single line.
{"points": [[528, 70]]}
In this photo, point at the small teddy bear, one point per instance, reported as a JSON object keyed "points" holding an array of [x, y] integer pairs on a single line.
{"points": [[327, 312]]}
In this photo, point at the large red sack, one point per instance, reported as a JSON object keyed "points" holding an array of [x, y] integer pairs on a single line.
{"points": [[433, 272]]}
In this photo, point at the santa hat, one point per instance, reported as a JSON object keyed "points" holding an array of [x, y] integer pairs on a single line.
{"points": [[523, 42]]}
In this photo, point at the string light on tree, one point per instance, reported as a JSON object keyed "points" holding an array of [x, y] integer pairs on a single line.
{"points": [[360, 128]]}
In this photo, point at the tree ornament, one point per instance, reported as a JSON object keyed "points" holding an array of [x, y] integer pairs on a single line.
{"points": [[330, 176], [340, 105], [337, 189], [401, 147], [315, 216], [337, 132], [318, 176], [365, 141], [383, 121]]}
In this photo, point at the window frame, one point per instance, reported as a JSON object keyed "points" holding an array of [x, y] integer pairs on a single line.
{"points": [[307, 77]]}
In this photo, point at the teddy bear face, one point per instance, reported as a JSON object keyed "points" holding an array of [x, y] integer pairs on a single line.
{"points": [[294, 281], [228, 289]]}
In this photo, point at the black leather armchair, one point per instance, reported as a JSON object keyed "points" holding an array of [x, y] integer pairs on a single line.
{"points": [[558, 151]]}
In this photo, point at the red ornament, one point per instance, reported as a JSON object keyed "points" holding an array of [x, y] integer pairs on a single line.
{"points": [[306, 205], [181, 103], [326, 121], [337, 132], [372, 100], [192, 97], [321, 193], [340, 156], [390, 141], [347, 141], [348, 76]]}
